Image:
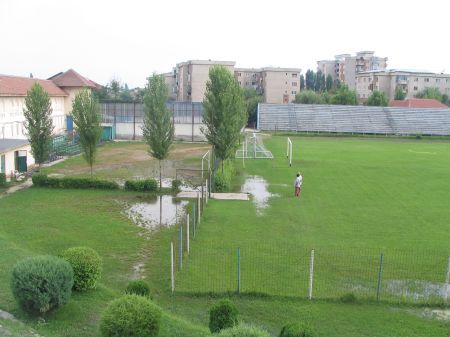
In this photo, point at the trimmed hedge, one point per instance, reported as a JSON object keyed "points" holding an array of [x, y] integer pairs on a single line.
{"points": [[147, 185], [42, 180], [131, 315], [222, 315], [86, 265], [138, 287], [42, 283], [2, 179], [243, 330], [296, 330]]}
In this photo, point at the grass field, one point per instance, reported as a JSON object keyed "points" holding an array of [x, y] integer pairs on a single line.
{"points": [[358, 194]]}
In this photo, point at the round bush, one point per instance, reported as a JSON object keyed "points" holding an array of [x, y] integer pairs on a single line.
{"points": [[138, 287], [348, 298], [243, 330], [131, 315], [87, 267], [296, 330], [42, 283], [223, 314]]}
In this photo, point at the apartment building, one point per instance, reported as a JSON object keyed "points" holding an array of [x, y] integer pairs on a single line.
{"points": [[410, 81], [188, 80], [345, 67]]}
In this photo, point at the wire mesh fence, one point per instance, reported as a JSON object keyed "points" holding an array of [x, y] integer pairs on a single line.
{"points": [[325, 273], [127, 119]]}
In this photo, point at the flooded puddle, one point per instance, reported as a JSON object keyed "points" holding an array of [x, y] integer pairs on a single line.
{"points": [[417, 289], [162, 211], [258, 188]]}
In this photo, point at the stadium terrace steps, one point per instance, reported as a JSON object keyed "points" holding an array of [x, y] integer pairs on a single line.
{"points": [[353, 119]]}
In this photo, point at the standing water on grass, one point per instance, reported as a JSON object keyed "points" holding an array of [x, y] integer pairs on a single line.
{"points": [[258, 188], [163, 211]]}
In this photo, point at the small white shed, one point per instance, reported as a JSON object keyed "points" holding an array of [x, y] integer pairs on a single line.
{"points": [[15, 155]]}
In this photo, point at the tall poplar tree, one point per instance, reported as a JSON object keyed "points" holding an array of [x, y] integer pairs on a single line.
{"points": [[158, 128], [86, 116], [224, 112], [38, 122]]}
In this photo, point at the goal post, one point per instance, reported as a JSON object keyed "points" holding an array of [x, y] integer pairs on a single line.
{"points": [[289, 151]]}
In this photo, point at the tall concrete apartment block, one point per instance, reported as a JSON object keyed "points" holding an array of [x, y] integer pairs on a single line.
{"points": [[187, 81], [345, 67], [410, 81]]}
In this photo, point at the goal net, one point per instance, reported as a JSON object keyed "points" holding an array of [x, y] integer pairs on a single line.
{"points": [[253, 147]]}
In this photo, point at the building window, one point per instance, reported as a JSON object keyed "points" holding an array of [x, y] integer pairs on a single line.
{"points": [[427, 79], [438, 80], [294, 92], [415, 88], [416, 79], [239, 74], [294, 75], [253, 83], [294, 84], [240, 83], [246, 83]]}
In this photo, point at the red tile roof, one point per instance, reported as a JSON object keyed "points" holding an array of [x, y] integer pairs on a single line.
{"points": [[71, 78], [418, 103], [18, 86]]}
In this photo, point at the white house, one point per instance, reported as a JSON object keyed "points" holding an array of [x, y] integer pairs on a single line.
{"points": [[61, 88]]}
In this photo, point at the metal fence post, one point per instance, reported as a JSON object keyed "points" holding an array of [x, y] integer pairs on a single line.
{"points": [[172, 266], [203, 199], [198, 208], [193, 218], [239, 270], [181, 247], [380, 272], [187, 233], [206, 194], [311, 275], [447, 281]]}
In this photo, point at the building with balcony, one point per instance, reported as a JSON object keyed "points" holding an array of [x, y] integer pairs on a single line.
{"points": [[411, 82], [344, 67]]}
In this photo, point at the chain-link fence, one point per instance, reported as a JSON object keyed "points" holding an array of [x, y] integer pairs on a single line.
{"points": [[126, 119], [323, 273]]}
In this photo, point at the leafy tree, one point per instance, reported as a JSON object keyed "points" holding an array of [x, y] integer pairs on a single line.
{"points": [[38, 122], [125, 94], [308, 97], [329, 82], [224, 112], [252, 98], [319, 84], [114, 89], [432, 93], [158, 129], [309, 80], [86, 116], [400, 94], [302, 82], [345, 96], [377, 98]]}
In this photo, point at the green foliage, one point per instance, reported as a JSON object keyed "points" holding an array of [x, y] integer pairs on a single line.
{"points": [[224, 112], [319, 84], [302, 82], [176, 183], [243, 330], [309, 97], [223, 178], [433, 93], [87, 120], [296, 330], [309, 80], [348, 298], [42, 180], [2, 179], [42, 283], [145, 185], [38, 122], [222, 315], [131, 315], [86, 265], [138, 287], [329, 82], [252, 99], [158, 129], [400, 94], [377, 98], [344, 96]]}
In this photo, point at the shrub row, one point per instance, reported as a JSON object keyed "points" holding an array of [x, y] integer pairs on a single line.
{"points": [[147, 185], [2, 179], [43, 180]]}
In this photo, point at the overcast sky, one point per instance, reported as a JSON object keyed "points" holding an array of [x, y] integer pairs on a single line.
{"points": [[129, 40]]}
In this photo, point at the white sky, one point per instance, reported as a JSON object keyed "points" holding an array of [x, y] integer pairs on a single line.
{"points": [[129, 40]]}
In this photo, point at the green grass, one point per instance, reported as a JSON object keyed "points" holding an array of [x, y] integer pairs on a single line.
{"points": [[359, 195]]}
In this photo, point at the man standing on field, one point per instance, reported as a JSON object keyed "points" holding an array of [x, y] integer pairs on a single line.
{"points": [[298, 184]]}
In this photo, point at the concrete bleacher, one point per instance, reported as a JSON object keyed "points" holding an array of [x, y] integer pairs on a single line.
{"points": [[353, 119]]}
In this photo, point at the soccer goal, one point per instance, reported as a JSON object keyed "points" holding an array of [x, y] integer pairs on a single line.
{"points": [[253, 147]]}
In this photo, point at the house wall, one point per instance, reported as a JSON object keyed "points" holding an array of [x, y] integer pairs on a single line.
{"points": [[12, 118], [10, 160], [280, 82]]}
